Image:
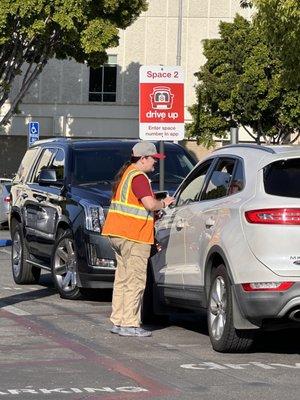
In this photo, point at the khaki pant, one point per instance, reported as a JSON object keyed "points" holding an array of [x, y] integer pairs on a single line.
{"points": [[130, 281]]}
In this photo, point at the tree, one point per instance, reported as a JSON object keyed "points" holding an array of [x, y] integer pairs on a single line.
{"points": [[241, 85], [279, 22], [34, 31]]}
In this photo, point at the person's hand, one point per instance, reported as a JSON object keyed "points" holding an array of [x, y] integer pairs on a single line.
{"points": [[168, 200]]}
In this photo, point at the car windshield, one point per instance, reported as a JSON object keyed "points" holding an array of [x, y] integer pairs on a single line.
{"points": [[97, 165], [177, 166], [8, 187], [100, 166], [281, 178]]}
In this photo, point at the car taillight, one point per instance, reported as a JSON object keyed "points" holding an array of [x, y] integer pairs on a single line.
{"points": [[267, 286], [7, 199], [281, 216]]}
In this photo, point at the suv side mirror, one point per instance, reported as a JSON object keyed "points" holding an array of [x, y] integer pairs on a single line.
{"points": [[48, 177]]}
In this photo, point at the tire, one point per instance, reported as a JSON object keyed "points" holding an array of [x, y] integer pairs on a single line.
{"points": [[64, 266], [223, 335], [23, 272]]}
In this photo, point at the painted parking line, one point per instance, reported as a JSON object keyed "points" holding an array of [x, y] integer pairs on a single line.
{"points": [[18, 288], [14, 310], [144, 386], [5, 251]]}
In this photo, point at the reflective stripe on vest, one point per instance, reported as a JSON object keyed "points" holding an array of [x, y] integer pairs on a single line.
{"points": [[126, 185], [130, 210], [127, 217], [122, 207]]}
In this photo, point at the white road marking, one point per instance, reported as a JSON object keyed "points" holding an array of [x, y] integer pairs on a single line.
{"points": [[5, 251], [207, 365], [14, 310], [126, 389]]}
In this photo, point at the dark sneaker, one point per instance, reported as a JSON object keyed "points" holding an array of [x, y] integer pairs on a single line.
{"points": [[131, 331], [115, 329]]}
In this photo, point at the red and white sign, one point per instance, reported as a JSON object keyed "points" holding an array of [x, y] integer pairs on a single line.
{"points": [[161, 103]]}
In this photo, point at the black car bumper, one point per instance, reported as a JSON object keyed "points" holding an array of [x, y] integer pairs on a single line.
{"points": [[260, 306], [96, 261]]}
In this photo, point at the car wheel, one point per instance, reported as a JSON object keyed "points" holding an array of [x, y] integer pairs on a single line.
{"points": [[223, 336], [23, 272], [64, 266]]}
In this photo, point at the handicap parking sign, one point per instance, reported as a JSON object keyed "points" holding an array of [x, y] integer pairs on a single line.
{"points": [[33, 132]]}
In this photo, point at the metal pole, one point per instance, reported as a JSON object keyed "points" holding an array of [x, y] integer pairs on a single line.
{"points": [[234, 135], [161, 166], [179, 33], [178, 62], [179, 36]]}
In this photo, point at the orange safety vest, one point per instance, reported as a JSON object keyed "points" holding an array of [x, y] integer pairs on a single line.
{"points": [[127, 217]]}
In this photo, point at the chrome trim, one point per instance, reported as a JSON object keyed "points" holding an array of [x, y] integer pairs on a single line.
{"points": [[292, 303]]}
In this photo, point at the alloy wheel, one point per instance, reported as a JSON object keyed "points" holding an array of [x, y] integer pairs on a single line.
{"points": [[217, 308], [17, 254], [64, 267]]}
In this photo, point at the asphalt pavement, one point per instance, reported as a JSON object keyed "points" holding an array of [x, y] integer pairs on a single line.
{"points": [[52, 348]]}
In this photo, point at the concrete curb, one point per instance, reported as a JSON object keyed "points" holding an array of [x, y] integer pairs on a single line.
{"points": [[5, 242]]}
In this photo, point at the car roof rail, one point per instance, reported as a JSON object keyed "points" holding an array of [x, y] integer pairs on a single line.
{"points": [[248, 146], [50, 140]]}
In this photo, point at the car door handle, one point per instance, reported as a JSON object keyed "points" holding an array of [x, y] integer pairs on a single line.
{"points": [[39, 197], [209, 223], [180, 224], [24, 195]]}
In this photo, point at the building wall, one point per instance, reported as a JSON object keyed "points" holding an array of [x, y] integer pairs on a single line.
{"points": [[59, 97]]}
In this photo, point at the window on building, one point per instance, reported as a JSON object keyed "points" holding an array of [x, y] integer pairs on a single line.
{"points": [[103, 81]]}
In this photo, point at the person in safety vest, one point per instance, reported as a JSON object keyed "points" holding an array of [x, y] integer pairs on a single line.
{"points": [[129, 226]]}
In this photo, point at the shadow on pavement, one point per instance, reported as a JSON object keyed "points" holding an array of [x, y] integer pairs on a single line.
{"points": [[285, 341]]}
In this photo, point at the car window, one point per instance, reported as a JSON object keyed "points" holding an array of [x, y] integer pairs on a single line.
{"points": [[238, 181], [58, 164], [8, 187], [177, 167], [97, 165], [281, 177], [220, 180], [26, 164], [192, 189], [43, 163]]}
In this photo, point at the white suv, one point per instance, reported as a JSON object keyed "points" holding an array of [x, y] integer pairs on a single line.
{"points": [[231, 244]]}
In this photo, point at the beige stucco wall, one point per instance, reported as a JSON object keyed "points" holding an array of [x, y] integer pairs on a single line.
{"points": [[59, 98]]}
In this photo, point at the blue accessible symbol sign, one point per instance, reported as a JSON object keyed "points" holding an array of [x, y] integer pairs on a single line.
{"points": [[33, 132]]}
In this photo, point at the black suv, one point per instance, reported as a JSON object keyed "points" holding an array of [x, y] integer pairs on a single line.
{"points": [[59, 200]]}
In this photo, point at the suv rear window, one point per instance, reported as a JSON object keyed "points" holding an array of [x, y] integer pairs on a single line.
{"points": [[281, 178]]}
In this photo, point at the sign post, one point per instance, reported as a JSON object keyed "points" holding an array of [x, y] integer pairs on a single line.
{"points": [[161, 112], [33, 132]]}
